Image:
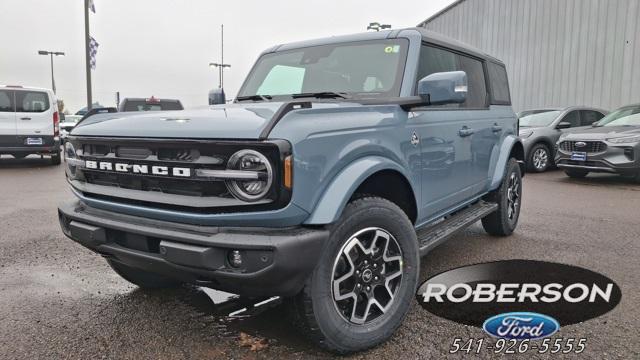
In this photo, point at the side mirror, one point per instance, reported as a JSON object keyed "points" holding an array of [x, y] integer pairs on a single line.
{"points": [[444, 88], [563, 125], [217, 96]]}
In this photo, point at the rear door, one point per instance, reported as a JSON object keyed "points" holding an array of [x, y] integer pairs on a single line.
{"points": [[7, 119], [34, 116]]}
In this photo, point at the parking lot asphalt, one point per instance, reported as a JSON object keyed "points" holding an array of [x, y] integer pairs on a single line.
{"points": [[59, 300]]}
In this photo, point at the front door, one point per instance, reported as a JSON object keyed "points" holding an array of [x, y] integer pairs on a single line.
{"points": [[457, 140], [7, 119]]}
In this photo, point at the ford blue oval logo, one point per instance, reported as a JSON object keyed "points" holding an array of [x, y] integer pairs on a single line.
{"points": [[521, 326]]}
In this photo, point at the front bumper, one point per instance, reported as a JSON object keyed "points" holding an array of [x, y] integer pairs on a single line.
{"points": [[616, 159], [275, 262]]}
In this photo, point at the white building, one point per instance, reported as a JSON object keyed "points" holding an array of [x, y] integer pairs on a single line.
{"points": [[558, 52]]}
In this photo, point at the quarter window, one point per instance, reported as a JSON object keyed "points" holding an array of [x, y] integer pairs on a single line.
{"points": [[499, 84], [434, 59]]}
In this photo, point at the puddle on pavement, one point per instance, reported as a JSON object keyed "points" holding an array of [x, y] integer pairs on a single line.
{"points": [[230, 314]]}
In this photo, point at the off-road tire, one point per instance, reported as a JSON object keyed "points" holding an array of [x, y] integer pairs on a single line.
{"points": [[499, 223], [55, 159], [314, 308], [576, 174], [143, 279], [532, 153]]}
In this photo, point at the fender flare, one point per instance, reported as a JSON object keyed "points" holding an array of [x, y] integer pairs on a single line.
{"points": [[339, 191], [508, 144]]}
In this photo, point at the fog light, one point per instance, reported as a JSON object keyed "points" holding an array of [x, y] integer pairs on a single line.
{"points": [[235, 258]]}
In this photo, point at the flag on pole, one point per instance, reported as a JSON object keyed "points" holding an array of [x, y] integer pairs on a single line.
{"points": [[93, 50], [92, 6]]}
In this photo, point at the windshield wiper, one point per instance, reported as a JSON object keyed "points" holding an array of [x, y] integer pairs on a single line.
{"points": [[254, 98], [322, 95]]}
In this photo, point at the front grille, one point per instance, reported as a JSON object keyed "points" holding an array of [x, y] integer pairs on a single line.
{"points": [[209, 195], [589, 146]]}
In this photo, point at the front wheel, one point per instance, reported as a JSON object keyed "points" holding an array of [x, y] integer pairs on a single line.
{"points": [[539, 158], [55, 159], [365, 280], [508, 196]]}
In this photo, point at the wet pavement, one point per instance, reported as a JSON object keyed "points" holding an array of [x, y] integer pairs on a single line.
{"points": [[59, 300]]}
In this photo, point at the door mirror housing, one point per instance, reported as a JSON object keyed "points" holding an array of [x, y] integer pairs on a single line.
{"points": [[443, 88], [217, 97], [563, 125]]}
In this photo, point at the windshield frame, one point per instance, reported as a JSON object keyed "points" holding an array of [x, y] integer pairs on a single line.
{"points": [[395, 90]]}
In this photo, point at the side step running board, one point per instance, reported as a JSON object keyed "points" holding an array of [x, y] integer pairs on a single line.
{"points": [[431, 236]]}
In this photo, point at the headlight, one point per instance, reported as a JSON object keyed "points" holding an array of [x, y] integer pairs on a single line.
{"points": [[69, 151], [526, 134], [250, 189], [625, 140]]}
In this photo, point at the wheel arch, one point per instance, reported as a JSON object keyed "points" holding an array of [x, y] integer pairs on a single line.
{"points": [[511, 147], [363, 177]]}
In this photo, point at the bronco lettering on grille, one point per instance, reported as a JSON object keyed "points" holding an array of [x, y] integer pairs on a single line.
{"points": [[138, 168]]}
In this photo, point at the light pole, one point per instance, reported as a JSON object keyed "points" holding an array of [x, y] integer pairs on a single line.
{"points": [[51, 53], [221, 65], [377, 26]]}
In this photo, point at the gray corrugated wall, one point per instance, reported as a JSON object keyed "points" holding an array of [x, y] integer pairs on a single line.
{"points": [[557, 52]]}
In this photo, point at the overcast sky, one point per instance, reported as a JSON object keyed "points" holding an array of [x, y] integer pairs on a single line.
{"points": [[163, 47]]}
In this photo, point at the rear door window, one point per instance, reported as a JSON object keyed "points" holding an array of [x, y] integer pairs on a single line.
{"points": [[6, 101], [31, 101], [434, 60], [588, 117]]}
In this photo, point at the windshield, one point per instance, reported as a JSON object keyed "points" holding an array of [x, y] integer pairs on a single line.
{"points": [[629, 116], [359, 69], [142, 105], [539, 119], [522, 114]]}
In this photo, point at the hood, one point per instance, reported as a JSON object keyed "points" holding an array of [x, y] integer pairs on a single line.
{"points": [[232, 121], [603, 132]]}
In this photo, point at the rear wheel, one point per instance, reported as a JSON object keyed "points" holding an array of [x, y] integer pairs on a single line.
{"points": [[365, 280], [508, 196], [55, 159], [539, 158], [143, 279], [576, 174]]}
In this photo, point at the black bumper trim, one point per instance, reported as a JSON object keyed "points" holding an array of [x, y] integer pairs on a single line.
{"points": [[276, 262]]}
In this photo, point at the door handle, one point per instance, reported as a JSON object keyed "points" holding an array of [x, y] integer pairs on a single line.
{"points": [[25, 118], [496, 128], [465, 131]]}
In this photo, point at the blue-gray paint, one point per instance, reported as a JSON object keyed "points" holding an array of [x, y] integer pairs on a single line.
{"points": [[338, 144]]}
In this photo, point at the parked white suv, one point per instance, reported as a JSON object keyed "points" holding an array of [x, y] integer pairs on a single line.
{"points": [[29, 122]]}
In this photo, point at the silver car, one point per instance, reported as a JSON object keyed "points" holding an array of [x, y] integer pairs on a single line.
{"points": [[540, 130], [612, 145]]}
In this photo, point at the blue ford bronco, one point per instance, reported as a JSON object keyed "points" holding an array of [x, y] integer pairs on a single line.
{"points": [[338, 165]]}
